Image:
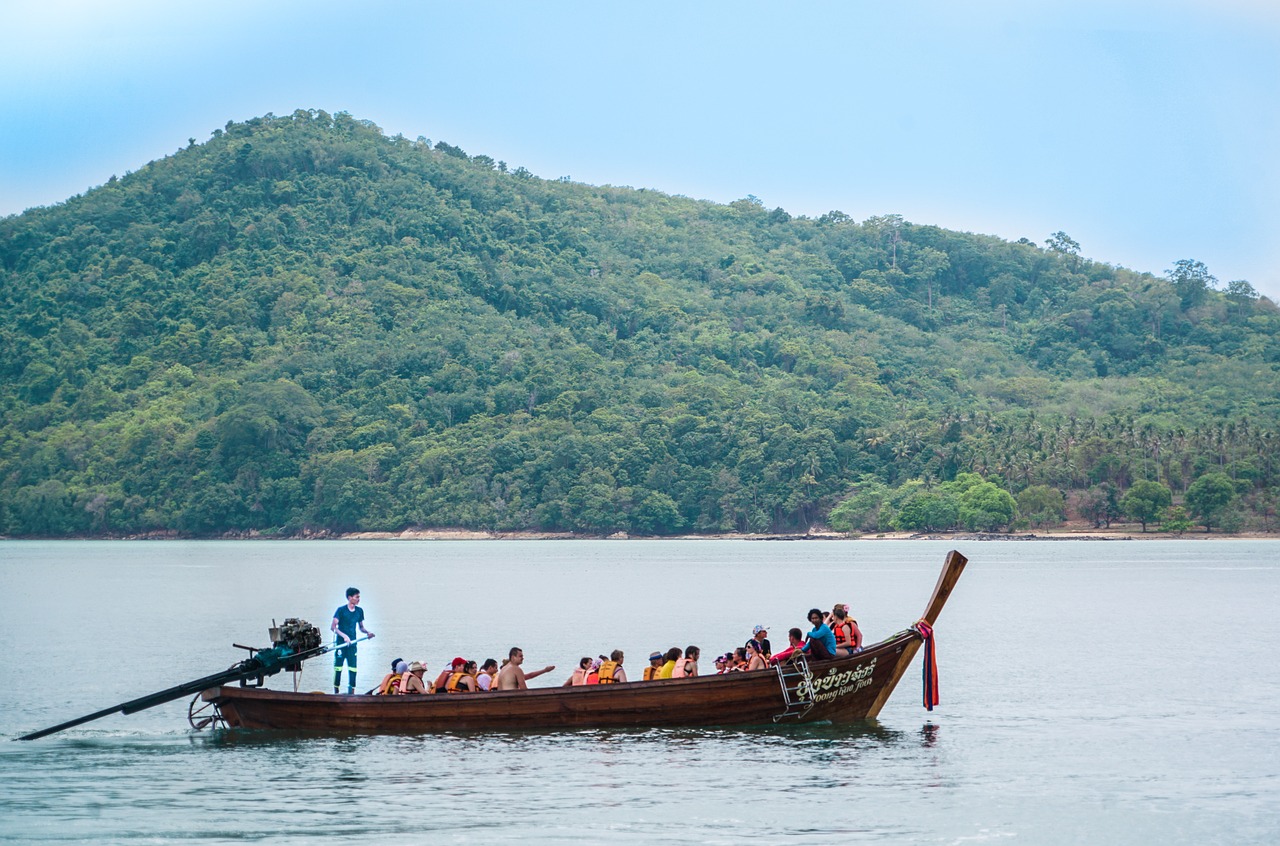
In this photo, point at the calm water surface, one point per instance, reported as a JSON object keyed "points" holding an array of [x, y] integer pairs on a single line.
{"points": [[1092, 692]]}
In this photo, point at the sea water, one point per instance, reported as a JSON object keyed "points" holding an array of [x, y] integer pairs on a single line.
{"points": [[1091, 692]]}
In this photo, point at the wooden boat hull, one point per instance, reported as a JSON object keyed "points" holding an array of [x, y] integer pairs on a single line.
{"points": [[844, 690]]}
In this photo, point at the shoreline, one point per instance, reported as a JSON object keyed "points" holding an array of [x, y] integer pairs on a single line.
{"points": [[813, 535], [417, 534]]}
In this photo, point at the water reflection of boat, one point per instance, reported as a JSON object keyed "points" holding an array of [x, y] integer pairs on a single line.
{"points": [[839, 691]]}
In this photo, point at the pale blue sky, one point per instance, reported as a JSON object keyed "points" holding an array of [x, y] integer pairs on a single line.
{"points": [[1148, 131]]}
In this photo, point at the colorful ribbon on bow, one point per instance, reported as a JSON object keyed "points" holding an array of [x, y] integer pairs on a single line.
{"points": [[930, 665]]}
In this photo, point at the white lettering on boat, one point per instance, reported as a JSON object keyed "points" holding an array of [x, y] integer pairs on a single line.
{"points": [[835, 684]]}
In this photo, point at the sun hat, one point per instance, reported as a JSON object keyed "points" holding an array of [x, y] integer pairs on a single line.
{"points": [[654, 656], [416, 666]]}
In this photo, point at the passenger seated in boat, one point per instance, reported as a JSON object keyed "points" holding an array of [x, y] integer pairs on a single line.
{"points": [[722, 663], [443, 679], [796, 644], [579, 675], [463, 680], [390, 683], [655, 667], [412, 681], [488, 674], [845, 628], [761, 636], [669, 662], [611, 671], [687, 666], [755, 656], [740, 660], [513, 677], [821, 642]]}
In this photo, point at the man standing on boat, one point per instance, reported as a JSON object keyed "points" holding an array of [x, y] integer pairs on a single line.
{"points": [[346, 620], [511, 677]]}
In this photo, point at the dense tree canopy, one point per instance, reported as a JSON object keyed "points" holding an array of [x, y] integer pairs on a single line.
{"points": [[1146, 501], [1209, 496], [302, 324]]}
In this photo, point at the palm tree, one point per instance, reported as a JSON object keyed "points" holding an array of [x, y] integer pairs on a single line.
{"points": [[982, 463]]}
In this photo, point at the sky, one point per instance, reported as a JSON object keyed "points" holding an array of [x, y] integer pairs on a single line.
{"points": [[1147, 131]]}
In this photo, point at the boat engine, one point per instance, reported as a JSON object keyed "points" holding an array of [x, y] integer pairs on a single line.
{"points": [[295, 636], [294, 642]]}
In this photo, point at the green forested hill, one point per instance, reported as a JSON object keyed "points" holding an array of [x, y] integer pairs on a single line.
{"points": [[305, 325]]}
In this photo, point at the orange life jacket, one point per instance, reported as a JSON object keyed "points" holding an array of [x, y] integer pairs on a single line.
{"points": [[452, 685], [607, 669], [843, 631], [391, 685], [650, 673], [404, 684]]}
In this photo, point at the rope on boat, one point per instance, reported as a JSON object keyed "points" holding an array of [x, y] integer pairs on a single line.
{"points": [[930, 665]]}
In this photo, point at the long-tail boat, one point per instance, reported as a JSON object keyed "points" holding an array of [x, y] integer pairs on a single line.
{"points": [[837, 691]]}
